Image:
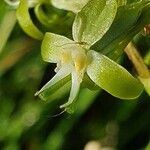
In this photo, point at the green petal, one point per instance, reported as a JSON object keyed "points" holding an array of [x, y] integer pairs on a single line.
{"points": [[112, 77], [71, 5], [25, 21], [93, 21], [53, 45]]}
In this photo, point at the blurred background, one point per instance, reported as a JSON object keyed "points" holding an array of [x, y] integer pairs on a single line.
{"points": [[100, 121]]}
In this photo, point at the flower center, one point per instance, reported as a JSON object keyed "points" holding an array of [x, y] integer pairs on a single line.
{"points": [[76, 58]]}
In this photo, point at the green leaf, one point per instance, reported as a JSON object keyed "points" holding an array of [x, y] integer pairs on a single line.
{"points": [[25, 21], [52, 46], [94, 20], [126, 18], [6, 27], [112, 77], [70, 5], [129, 21], [42, 17]]}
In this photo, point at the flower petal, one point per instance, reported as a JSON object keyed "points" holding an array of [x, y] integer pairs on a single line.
{"points": [[112, 77], [74, 90], [62, 73], [52, 46]]}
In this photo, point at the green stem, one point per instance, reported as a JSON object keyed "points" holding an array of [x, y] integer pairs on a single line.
{"points": [[137, 61], [141, 69]]}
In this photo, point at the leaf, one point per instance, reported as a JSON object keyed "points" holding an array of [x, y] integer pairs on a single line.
{"points": [[52, 46], [25, 21], [94, 20], [6, 26], [70, 5], [112, 77], [46, 15], [40, 14]]}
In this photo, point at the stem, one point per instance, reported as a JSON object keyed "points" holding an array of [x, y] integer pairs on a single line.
{"points": [[14, 56], [141, 69], [137, 61]]}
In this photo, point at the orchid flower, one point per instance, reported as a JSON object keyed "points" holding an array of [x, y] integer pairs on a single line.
{"points": [[76, 58]]}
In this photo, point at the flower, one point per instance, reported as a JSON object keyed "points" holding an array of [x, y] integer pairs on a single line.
{"points": [[76, 59]]}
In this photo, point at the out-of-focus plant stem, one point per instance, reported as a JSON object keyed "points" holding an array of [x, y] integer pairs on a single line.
{"points": [[6, 27], [14, 56]]}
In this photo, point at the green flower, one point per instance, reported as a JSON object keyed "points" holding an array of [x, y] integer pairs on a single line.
{"points": [[76, 58]]}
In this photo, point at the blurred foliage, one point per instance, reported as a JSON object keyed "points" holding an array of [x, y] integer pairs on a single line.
{"points": [[28, 123]]}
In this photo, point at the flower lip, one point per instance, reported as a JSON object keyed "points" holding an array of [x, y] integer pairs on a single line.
{"points": [[74, 56]]}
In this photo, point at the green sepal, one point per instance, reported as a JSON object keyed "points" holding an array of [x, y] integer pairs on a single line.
{"points": [[25, 21], [94, 20], [52, 46], [112, 77]]}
